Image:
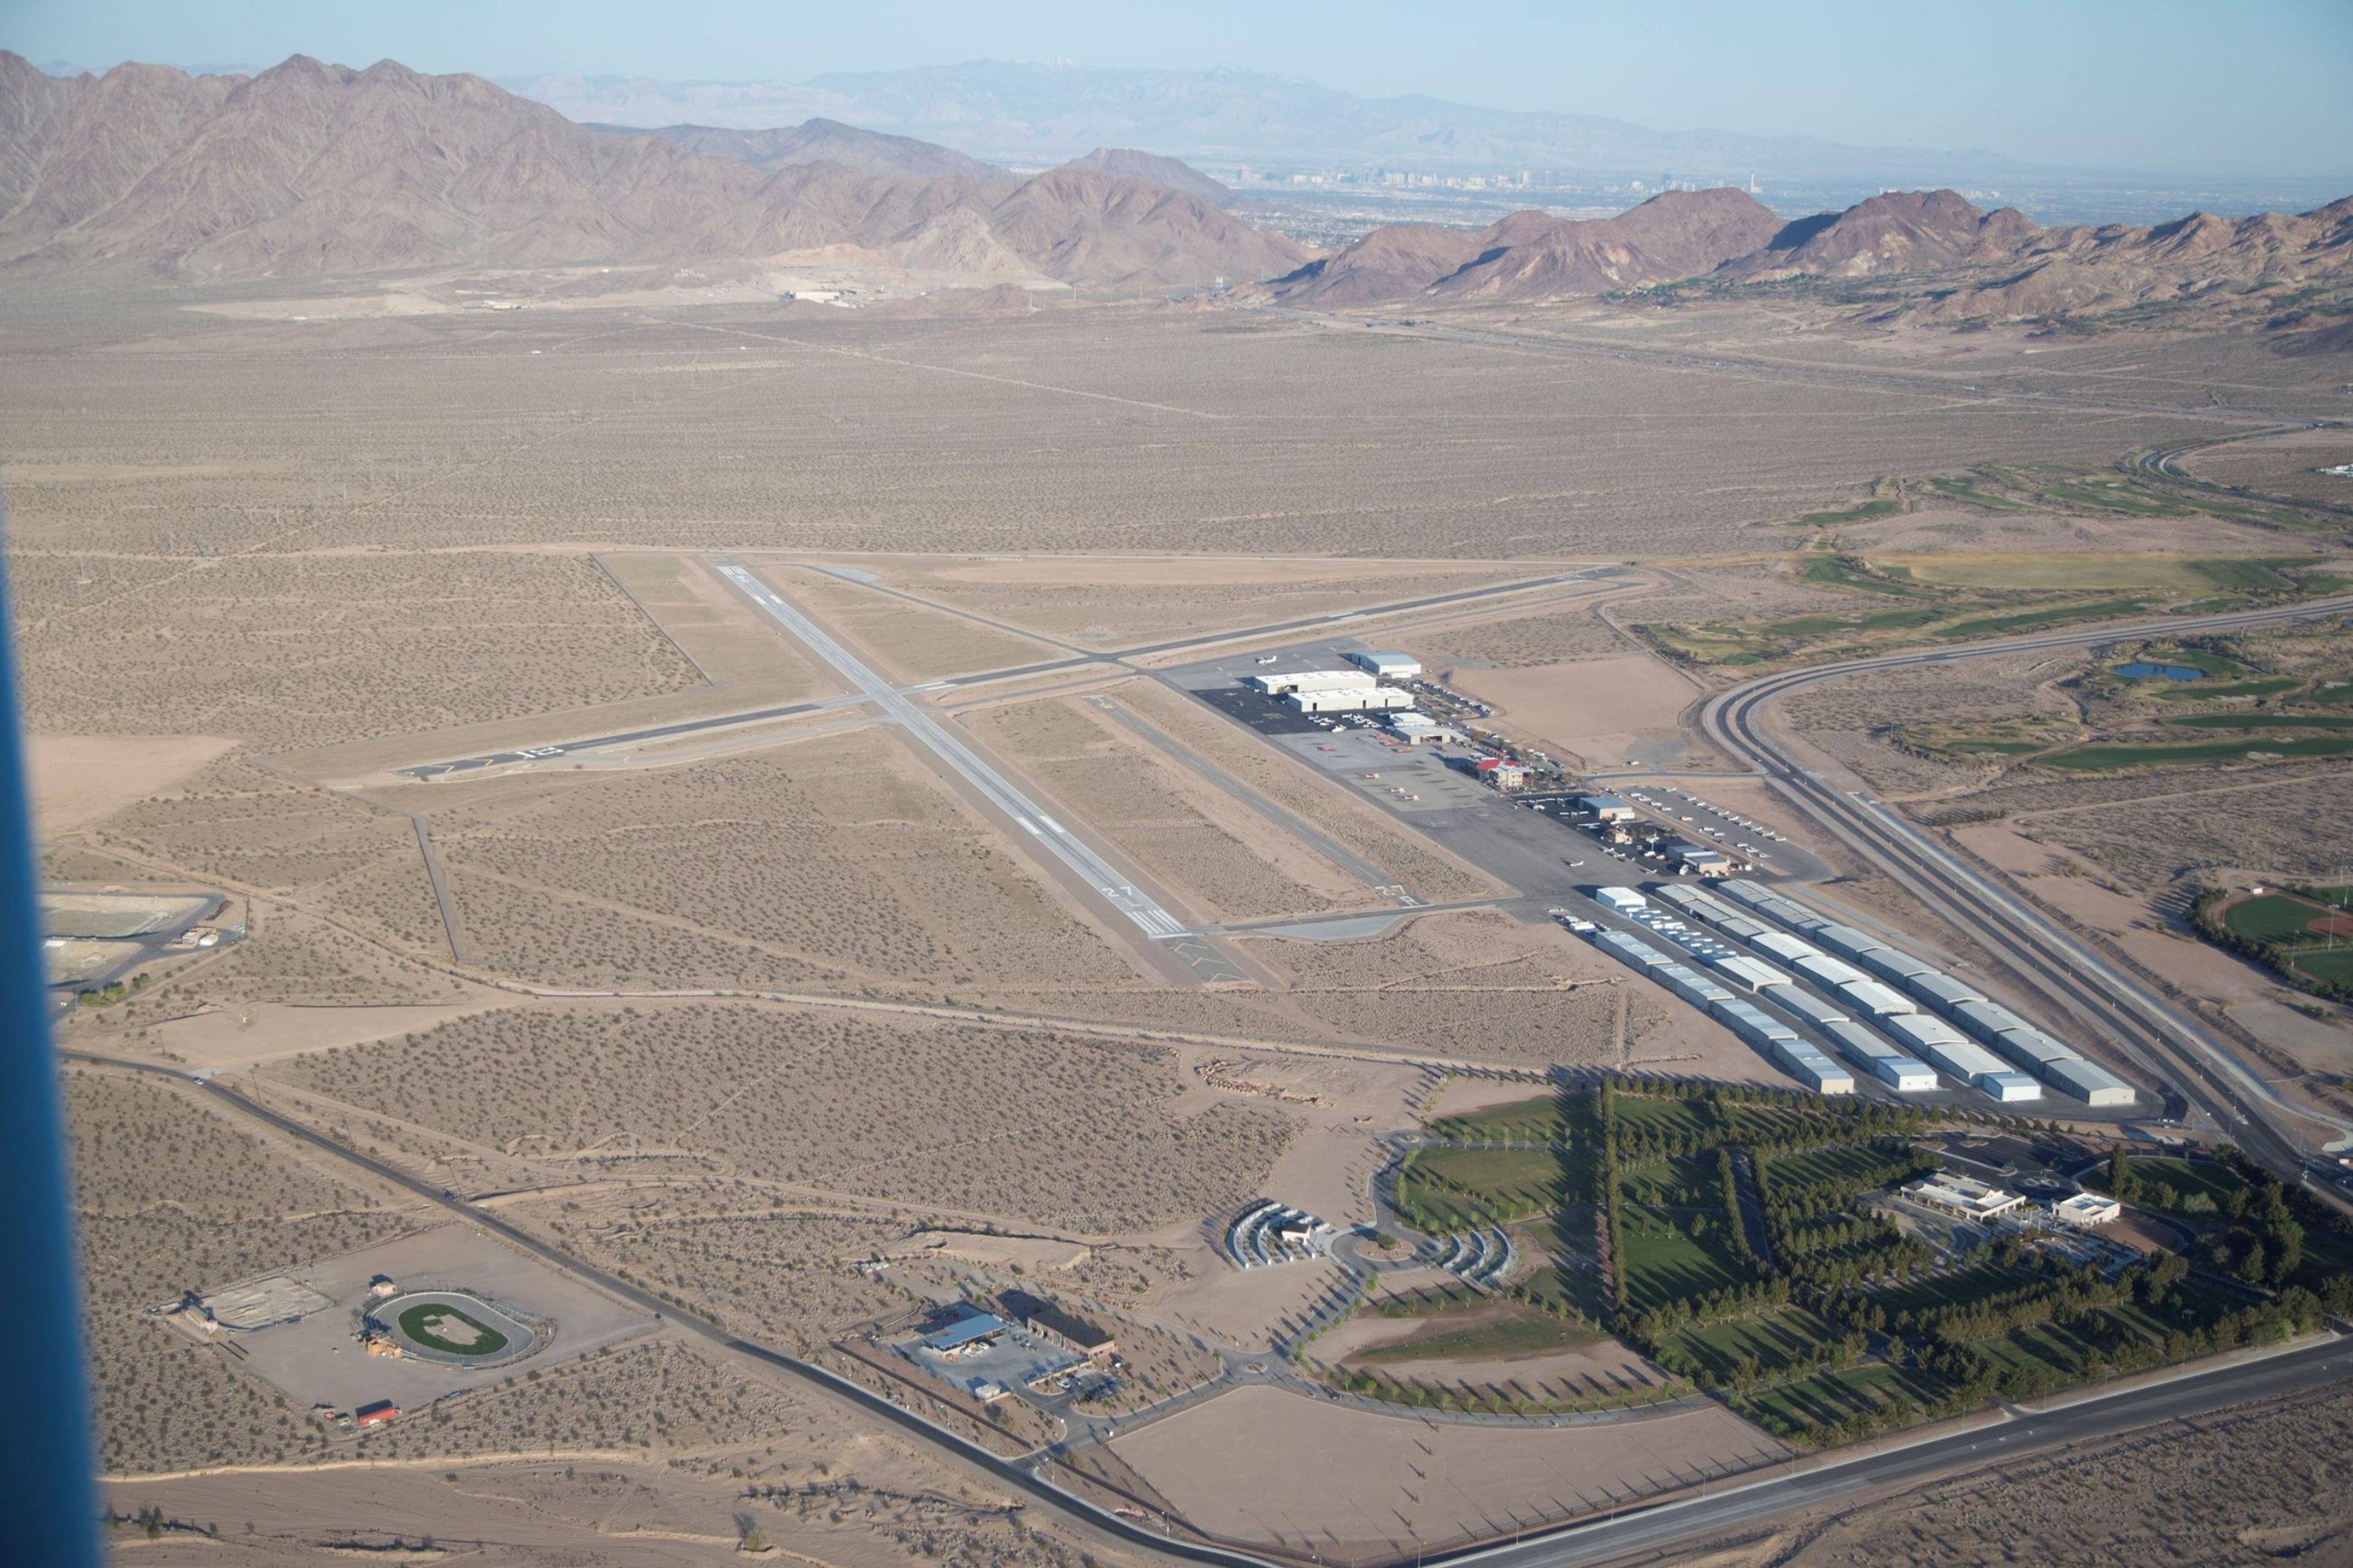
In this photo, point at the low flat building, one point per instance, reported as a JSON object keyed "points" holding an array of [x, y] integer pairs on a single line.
{"points": [[1987, 1021], [1813, 1068], [1751, 975], [1807, 1006], [2030, 1049], [1496, 773], [1386, 665], [2009, 1088], [1050, 1322], [1699, 858], [1752, 1024], [1608, 808], [1964, 1195], [965, 1326], [1845, 941], [1870, 999], [1786, 948], [1893, 964], [1828, 972], [1923, 1031], [1942, 991], [1311, 680], [1624, 901], [1349, 699], [2086, 1210], [1629, 950], [2089, 1082], [1690, 984], [375, 1414]]}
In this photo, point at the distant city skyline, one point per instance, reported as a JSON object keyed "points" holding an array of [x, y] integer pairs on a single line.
{"points": [[2253, 88]]}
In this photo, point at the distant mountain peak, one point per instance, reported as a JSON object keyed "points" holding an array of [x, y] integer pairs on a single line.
{"points": [[1128, 164], [314, 169]]}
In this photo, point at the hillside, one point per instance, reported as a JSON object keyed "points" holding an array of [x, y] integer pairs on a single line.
{"points": [[1128, 164], [1927, 256], [312, 170], [822, 141], [1534, 255], [1933, 257]]}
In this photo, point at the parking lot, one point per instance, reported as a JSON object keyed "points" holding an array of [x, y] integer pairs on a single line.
{"points": [[1719, 825]]}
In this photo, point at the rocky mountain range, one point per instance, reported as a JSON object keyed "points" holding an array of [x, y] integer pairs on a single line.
{"points": [[1928, 256], [1128, 164], [822, 141], [311, 170]]}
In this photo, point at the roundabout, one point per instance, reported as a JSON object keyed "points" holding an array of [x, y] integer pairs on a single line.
{"points": [[457, 1328]]}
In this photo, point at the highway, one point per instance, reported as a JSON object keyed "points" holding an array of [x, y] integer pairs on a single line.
{"points": [[1649, 1534], [2069, 973], [1649, 1530], [1139, 907], [2157, 462]]}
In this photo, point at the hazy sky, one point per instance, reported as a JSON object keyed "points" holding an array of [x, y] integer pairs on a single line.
{"points": [[2219, 86]]}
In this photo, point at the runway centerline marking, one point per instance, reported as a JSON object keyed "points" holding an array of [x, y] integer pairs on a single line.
{"points": [[1148, 916]]}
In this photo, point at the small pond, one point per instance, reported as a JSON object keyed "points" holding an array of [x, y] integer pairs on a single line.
{"points": [[2141, 669]]}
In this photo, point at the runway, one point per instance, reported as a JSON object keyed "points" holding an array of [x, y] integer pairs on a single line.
{"points": [[1146, 914]]}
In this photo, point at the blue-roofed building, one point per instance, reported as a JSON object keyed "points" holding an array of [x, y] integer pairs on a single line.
{"points": [[969, 1326]]}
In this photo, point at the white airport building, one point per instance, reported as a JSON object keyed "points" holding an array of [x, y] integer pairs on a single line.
{"points": [[1350, 699], [1386, 665], [1311, 680], [2086, 1210], [1964, 1195]]}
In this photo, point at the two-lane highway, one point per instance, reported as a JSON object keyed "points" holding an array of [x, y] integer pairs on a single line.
{"points": [[2165, 1039], [1649, 1535]]}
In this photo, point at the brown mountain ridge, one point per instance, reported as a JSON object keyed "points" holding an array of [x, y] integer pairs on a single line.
{"points": [[309, 170], [822, 140], [1912, 255]]}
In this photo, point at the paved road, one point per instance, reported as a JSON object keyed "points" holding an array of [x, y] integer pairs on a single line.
{"points": [[1015, 1473], [2165, 1038], [1123, 895], [2158, 462], [1649, 1534], [2207, 1389]]}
